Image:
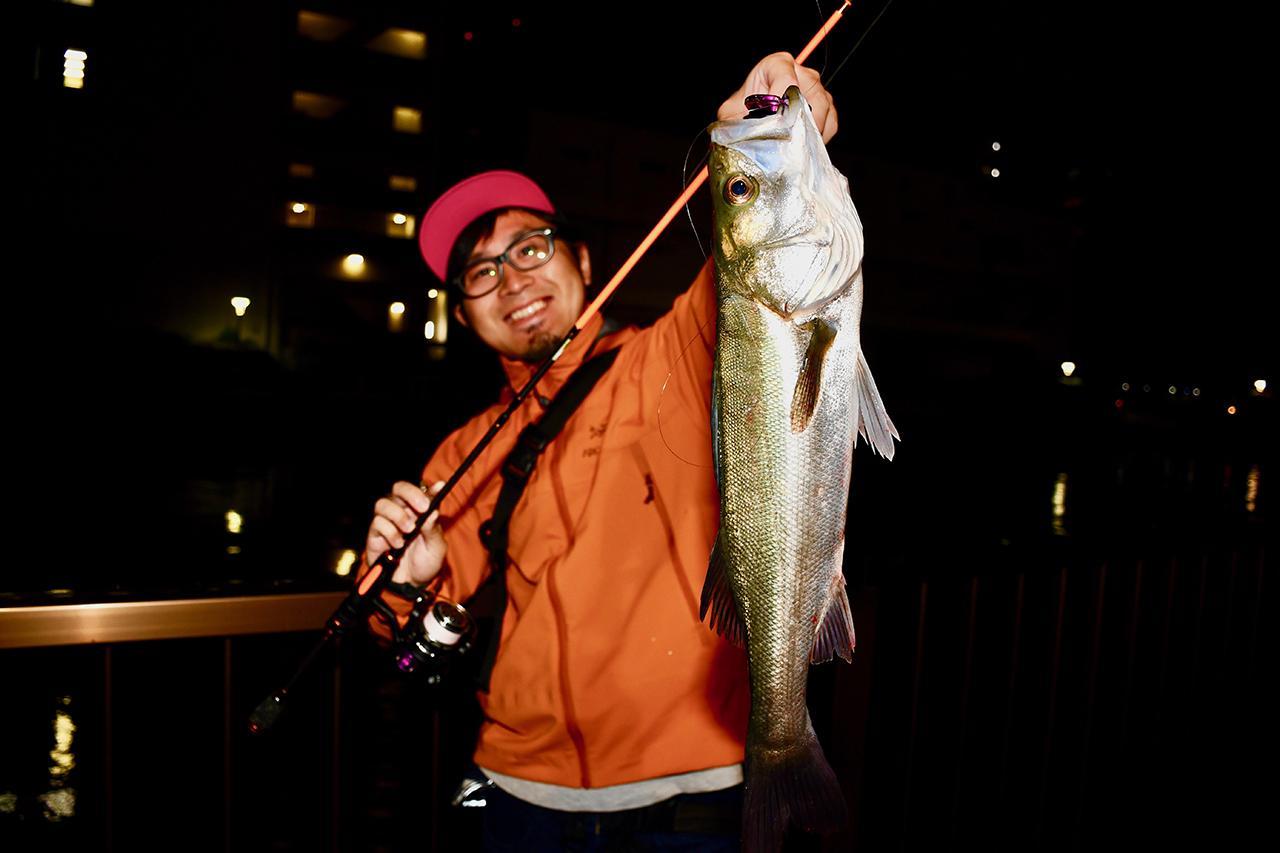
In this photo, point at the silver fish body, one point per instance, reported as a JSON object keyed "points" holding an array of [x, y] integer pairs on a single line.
{"points": [[790, 393]]}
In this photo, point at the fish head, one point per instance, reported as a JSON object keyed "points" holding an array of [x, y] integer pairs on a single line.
{"points": [[786, 231]]}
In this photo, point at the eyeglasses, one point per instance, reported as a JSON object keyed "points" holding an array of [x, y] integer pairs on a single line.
{"points": [[529, 251]]}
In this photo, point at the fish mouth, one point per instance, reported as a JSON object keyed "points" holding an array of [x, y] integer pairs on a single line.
{"points": [[529, 314], [788, 242]]}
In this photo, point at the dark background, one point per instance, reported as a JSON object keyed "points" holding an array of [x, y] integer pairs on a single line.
{"points": [[1121, 529], [1122, 234]]}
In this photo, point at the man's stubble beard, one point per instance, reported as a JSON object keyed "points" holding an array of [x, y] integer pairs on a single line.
{"points": [[542, 344]]}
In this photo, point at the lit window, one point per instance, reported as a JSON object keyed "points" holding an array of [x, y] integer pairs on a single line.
{"points": [[301, 215], [321, 27], [404, 183], [346, 560], [408, 44], [407, 120], [316, 105], [400, 225]]}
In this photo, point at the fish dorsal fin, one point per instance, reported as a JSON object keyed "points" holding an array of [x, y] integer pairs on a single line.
{"points": [[873, 421], [717, 597], [809, 382], [835, 635]]}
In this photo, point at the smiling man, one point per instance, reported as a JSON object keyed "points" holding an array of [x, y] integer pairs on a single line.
{"points": [[611, 711]]}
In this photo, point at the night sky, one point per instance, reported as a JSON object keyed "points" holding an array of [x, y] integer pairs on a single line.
{"points": [[1138, 124]]}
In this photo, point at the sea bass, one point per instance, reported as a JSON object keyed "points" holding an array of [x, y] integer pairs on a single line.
{"points": [[790, 392]]}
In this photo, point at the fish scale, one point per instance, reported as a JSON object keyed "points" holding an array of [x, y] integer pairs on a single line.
{"points": [[790, 393]]}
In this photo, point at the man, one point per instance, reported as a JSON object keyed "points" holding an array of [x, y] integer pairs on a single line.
{"points": [[611, 710]]}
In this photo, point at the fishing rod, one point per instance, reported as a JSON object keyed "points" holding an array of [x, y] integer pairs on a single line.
{"points": [[449, 624]]}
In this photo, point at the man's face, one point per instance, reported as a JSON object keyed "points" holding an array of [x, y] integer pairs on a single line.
{"points": [[528, 314]]}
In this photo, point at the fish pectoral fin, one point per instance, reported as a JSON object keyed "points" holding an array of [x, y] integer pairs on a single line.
{"points": [[717, 597], [873, 421], [835, 635], [809, 383]]}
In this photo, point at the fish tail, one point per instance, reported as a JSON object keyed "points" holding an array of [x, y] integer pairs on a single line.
{"points": [[797, 787]]}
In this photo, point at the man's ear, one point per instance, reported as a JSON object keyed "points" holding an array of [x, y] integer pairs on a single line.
{"points": [[460, 315], [584, 262]]}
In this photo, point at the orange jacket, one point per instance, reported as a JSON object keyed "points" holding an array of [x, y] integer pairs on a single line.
{"points": [[605, 674]]}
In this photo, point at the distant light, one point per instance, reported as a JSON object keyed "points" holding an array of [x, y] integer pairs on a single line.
{"points": [[403, 183], [515, 22], [432, 293], [301, 215], [1259, 385], [1146, 388], [468, 36], [73, 68], [995, 146], [346, 560], [400, 225], [241, 304], [1231, 410], [407, 120], [235, 521], [1195, 392], [1124, 386], [302, 170], [1119, 404], [1068, 368], [233, 549], [1173, 389], [397, 308], [995, 173], [353, 264], [429, 330]]}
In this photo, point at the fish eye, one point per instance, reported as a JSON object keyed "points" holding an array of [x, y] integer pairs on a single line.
{"points": [[740, 189]]}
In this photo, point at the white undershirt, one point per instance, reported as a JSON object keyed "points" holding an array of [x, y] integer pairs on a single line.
{"points": [[615, 798]]}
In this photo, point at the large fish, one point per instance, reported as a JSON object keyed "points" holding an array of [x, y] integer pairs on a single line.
{"points": [[791, 391]]}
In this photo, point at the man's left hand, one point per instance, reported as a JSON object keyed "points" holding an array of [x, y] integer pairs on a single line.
{"points": [[771, 76]]}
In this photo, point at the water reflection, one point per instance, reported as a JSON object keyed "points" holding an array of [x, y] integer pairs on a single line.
{"points": [[60, 800], [1251, 490], [1060, 505]]}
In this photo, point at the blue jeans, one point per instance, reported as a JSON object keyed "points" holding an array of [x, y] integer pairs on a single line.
{"points": [[690, 822]]}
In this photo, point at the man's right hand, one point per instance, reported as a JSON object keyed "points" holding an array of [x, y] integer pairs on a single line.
{"points": [[393, 518]]}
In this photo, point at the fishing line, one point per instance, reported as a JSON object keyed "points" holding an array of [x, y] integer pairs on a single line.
{"points": [[663, 394], [865, 33], [684, 182]]}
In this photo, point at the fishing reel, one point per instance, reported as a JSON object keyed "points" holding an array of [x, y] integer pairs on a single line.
{"points": [[437, 633]]}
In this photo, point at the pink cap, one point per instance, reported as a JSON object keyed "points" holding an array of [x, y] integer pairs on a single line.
{"points": [[466, 200]]}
